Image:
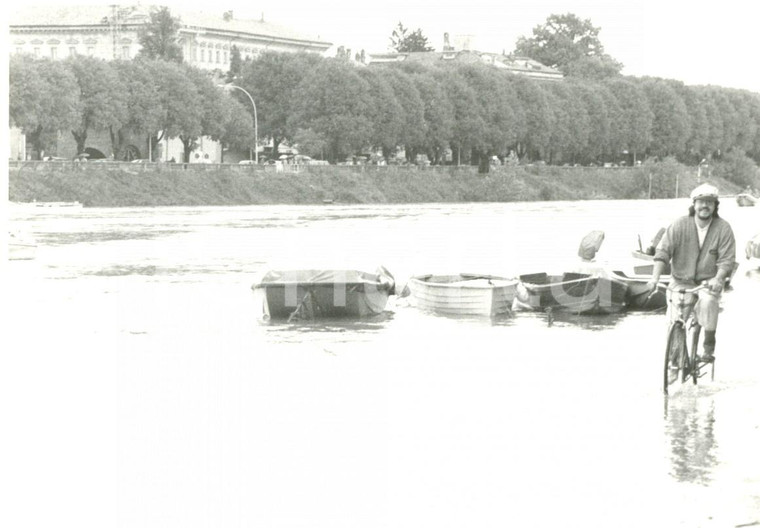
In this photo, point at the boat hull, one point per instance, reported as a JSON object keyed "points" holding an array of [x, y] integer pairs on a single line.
{"points": [[637, 295], [571, 292], [314, 294], [463, 294], [745, 200]]}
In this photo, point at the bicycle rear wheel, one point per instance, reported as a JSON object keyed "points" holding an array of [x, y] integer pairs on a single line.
{"points": [[675, 355], [694, 332]]}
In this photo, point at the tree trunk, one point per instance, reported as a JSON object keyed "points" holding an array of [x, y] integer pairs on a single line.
{"points": [[81, 140], [484, 164]]}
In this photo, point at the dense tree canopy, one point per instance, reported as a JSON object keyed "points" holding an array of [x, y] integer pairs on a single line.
{"points": [[330, 108], [102, 95], [43, 99]]}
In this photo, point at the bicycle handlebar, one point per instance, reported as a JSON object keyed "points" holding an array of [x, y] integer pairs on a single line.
{"points": [[702, 286]]}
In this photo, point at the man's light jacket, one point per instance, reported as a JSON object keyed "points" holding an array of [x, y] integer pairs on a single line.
{"points": [[680, 247]]}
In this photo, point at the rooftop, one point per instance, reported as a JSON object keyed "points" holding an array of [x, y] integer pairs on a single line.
{"points": [[97, 15]]}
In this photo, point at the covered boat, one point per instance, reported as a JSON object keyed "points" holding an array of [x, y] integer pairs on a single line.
{"points": [[581, 293], [745, 200], [463, 294], [311, 294]]}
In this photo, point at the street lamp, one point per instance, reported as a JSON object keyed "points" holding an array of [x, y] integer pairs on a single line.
{"points": [[255, 119]]}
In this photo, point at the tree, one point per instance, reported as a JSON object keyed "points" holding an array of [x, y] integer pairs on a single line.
{"points": [[571, 45], [180, 111], [403, 41], [496, 99], [634, 117], [144, 112], [159, 38], [237, 126], [384, 111], [412, 131], [272, 79], [103, 97], [595, 96], [438, 116], [236, 64], [332, 101], [209, 100], [468, 124], [42, 99], [536, 142], [671, 122]]}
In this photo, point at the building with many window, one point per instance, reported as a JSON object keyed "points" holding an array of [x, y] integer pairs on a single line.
{"points": [[112, 32]]}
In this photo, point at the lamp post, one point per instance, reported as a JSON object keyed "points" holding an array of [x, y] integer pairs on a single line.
{"points": [[255, 119]]}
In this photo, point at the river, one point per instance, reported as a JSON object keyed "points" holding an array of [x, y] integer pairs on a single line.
{"points": [[141, 390]]}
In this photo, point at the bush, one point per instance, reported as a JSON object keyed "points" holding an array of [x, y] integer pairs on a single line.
{"points": [[736, 167]]}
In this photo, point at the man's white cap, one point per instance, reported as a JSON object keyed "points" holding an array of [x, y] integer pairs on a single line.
{"points": [[704, 191]]}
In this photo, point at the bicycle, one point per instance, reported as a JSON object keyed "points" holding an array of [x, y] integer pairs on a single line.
{"points": [[681, 358]]}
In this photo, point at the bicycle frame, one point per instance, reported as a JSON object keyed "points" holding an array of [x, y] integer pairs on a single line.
{"points": [[681, 358]]}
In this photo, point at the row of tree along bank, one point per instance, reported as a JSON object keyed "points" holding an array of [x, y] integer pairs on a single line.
{"points": [[332, 109], [172, 185]]}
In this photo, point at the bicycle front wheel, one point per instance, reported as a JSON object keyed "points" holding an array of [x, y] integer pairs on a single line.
{"points": [[694, 331], [675, 355]]}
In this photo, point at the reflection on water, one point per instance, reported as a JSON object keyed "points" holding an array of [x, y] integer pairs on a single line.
{"points": [[690, 427], [584, 321]]}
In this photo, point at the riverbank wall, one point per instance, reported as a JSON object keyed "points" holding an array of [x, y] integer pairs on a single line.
{"points": [[113, 184]]}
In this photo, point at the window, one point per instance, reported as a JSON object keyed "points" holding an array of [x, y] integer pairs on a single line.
{"points": [[203, 55], [125, 52], [53, 52], [36, 52], [72, 51], [90, 51], [217, 56], [19, 50]]}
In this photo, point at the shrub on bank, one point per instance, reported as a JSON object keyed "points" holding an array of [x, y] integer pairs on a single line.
{"points": [[157, 184]]}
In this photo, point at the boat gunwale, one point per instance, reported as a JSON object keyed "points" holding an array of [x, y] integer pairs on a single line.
{"points": [[463, 283]]}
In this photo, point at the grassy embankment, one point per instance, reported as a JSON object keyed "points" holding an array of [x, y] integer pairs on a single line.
{"points": [[116, 184]]}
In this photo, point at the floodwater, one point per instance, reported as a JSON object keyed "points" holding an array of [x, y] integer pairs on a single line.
{"points": [[140, 389]]}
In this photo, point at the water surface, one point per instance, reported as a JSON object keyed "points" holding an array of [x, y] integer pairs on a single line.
{"points": [[144, 392]]}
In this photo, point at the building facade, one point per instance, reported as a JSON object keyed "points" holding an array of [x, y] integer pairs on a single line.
{"points": [[112, 32]]}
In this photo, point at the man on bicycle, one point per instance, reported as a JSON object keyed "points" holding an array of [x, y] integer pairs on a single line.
{"points": [[700, 248]]}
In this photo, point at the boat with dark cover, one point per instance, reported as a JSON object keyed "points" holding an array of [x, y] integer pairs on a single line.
{"points": [[312, 294]]}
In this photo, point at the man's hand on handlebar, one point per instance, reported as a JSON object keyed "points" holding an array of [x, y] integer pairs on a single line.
{"points": [[652, 286], [715, 285]]}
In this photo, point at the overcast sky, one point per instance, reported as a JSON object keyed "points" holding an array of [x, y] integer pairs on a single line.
{"points": [[696, 42]]}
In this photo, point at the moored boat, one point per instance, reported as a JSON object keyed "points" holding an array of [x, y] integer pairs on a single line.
{"points": [[312, 294], [463, 294], [637, 295], [581, 293], [745, 200]]}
